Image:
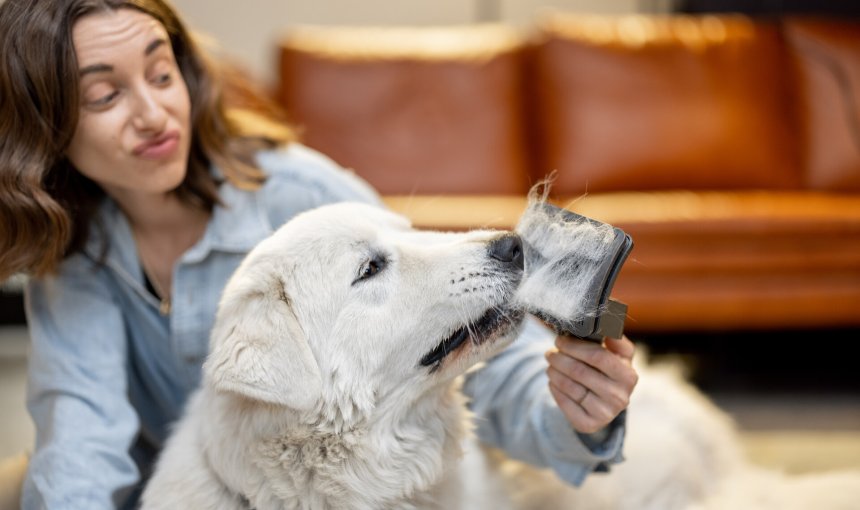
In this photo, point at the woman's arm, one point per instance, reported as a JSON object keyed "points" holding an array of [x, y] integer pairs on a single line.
{"points": [[515, 411], [77, 386]]}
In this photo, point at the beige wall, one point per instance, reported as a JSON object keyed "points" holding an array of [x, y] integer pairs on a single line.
{"points": [[248, 29], [521, 12]]}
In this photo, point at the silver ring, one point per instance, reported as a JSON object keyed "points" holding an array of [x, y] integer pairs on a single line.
{"points": [[584, 396]]}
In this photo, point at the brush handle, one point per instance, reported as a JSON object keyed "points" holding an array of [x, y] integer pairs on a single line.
{"points": [[611, 322]]}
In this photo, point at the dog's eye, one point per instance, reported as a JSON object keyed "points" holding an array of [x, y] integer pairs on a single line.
{"points": [[371, 268]]}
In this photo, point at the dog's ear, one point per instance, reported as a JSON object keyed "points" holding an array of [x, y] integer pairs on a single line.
{"points": [[259, 349]]}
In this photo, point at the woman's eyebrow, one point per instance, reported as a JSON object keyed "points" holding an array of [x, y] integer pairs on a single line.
{"points": [[96, 68], [154, 45], [106, 68]]}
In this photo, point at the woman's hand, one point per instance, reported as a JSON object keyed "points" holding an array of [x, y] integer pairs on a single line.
{"points": [[590, 381]]}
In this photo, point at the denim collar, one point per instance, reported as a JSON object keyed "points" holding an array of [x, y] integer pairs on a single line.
{"points": [[235, 227]]}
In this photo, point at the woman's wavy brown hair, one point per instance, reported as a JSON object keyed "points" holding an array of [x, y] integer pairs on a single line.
{"points": [[46, 206]]}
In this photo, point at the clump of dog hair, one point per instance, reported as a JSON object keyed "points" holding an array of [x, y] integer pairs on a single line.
{"points": [[562, 260]]}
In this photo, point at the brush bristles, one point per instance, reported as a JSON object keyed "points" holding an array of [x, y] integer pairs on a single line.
{"points": [[563, 261]]}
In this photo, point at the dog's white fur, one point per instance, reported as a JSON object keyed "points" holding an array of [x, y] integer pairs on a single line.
{"points": [[314, 395]]}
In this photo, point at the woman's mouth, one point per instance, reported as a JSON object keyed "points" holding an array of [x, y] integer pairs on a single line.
{"points": [[158, 148]]}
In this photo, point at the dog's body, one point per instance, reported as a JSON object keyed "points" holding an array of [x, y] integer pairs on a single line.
{"points": [[333, 382]]}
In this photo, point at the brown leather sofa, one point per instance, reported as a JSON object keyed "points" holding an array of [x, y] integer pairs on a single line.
{"points": [[728, 147]]}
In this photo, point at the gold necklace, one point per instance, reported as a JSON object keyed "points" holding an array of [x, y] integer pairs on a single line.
{"points": [[164, 305]]}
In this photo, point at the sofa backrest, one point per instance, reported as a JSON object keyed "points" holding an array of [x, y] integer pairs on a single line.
{"points": [[645, 103], [825, 55], [418, 110], [608, 103]]}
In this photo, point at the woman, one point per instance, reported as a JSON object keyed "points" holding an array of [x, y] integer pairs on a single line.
{"points": [[129, 194]]}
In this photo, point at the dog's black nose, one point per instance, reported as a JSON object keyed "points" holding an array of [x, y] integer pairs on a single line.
{"points": [[507, 249]]}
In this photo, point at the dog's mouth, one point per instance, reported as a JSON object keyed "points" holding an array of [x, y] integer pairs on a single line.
{"points": [[493, 323]]}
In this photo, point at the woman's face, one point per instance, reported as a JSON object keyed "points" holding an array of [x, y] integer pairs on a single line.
{"points": [[133, 134]]}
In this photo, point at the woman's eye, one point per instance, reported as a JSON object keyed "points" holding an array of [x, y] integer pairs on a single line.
{"points": [[162, 79], [99, 93], [161, 72], [104, 100]]}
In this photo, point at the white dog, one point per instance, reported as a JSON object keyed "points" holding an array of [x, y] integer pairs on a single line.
{"points": [[333, 382]]}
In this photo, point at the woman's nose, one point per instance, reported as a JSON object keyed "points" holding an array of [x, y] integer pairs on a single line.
{"points": [[149, 113]]}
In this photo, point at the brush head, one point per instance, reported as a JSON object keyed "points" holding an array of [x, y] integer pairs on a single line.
{"points": [[571, 263]]}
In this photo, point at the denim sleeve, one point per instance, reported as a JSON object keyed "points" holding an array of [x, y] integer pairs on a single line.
{"points": [[77, 396], [516, 412]]}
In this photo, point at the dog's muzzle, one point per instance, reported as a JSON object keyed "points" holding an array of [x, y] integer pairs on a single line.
{"points": [[508, 250], [507, 253]]}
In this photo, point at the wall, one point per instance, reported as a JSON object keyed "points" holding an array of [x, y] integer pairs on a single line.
{"points": [[249, 29]]}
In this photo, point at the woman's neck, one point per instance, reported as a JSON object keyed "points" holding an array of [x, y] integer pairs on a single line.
{"points": [[164, 227], [159, 215]]}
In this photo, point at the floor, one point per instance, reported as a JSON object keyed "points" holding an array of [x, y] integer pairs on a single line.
{"points": [[795, 398], [796, 430], [16, 430]]}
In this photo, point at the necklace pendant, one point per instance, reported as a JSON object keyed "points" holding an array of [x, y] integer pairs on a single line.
{"points": [[164, 307]]}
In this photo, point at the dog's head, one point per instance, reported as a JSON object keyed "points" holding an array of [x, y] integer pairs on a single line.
{"points": [[348, 303]]}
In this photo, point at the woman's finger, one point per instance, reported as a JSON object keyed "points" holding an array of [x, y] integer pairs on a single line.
{"points": [[595, 355], [569, 374]]}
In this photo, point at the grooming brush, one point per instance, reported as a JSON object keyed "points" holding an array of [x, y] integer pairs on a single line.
{"points": [[571, 263]]}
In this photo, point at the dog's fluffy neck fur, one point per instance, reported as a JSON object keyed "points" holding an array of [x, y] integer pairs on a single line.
{"points": [[362, 463]]}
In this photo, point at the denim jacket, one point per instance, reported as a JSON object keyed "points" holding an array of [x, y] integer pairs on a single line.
{"points": [[108, 373]]}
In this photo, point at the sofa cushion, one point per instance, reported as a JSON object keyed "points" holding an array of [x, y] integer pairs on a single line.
{"points": [[737, 261], [648, 103], [706, 260], [420, 110], [826, 54]]}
